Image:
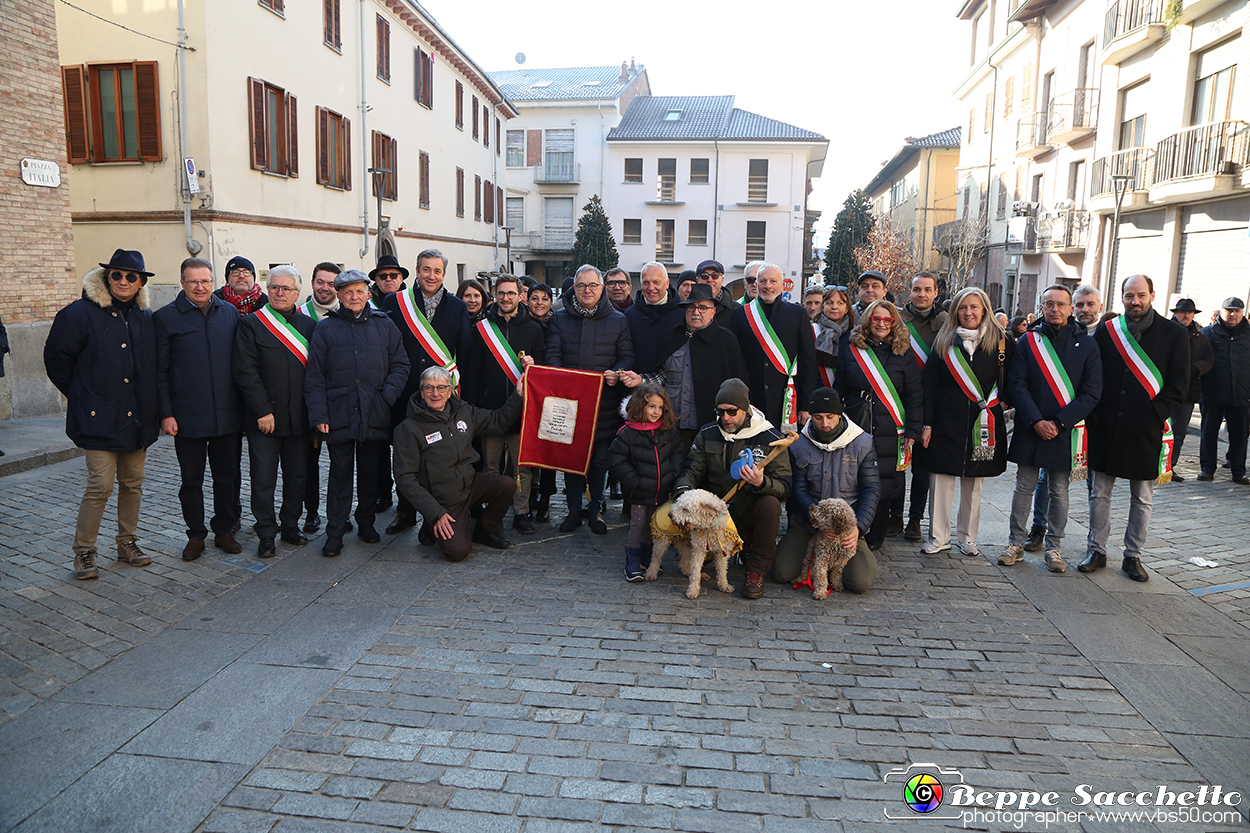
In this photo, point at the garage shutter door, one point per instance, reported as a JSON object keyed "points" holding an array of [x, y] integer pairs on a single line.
{"points": [[559, 222], [1137, 256], [1212, 267]]}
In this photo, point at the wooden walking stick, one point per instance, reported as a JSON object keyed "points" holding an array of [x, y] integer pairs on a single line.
{"points": [[777, 446]]}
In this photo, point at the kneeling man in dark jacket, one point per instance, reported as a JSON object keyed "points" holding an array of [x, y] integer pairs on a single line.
{"points": [[434, 461]]}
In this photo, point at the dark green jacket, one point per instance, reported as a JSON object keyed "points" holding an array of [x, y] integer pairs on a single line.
{"points": [[711, 455], [434, 454]]}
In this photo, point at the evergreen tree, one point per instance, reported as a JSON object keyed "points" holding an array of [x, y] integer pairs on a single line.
{"points": [[594, 244], [850, 232]]}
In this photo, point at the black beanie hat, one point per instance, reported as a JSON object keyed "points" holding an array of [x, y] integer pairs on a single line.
{"points": [[734, 392], [824, 401]]}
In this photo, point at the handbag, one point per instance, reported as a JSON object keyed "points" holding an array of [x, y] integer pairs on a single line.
{"points": [[858, 409]]}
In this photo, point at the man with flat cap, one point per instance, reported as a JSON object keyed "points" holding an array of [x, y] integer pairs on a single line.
{"points": [[1226, 391], [101, 354], [1201, 360], [357, 368]]}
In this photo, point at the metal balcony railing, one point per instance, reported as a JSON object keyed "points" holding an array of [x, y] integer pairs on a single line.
{"points": [[1074, 113], [1057, 230], [1135, 163], [1125, 16], [558, 170], [956, 234], [1031, 133], [556, 239], [1204, 150]]}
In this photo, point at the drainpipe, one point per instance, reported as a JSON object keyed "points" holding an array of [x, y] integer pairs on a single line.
{"points": [[716, 201], [495, 175], [193, 245], [603, 149], [364, 136]]}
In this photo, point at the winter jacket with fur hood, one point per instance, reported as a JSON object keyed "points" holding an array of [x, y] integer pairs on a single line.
{"points": [[714, 452], [845, 467], [102, 357]]}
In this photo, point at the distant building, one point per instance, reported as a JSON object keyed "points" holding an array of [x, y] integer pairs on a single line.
{"points": [[693, 178], [916, 191], [283, 131], [555, 155]]}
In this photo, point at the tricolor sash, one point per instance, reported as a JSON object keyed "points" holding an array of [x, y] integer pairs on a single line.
{"points": [[285, 332], [918, 346], [309, 309], [1151, 379], [425, 334], [1060, 385], [959, 367], [500, 349], [826, 373], [888, 394], [780, 361]]}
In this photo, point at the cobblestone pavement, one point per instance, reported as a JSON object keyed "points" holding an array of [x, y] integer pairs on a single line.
{"points": [[534, 690]]}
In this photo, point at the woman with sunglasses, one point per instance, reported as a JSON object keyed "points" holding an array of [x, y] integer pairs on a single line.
{"points": [[879, 382]]}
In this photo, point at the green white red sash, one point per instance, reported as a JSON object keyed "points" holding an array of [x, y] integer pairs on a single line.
{"points": [[285, 332], [917, 345], [959, 367], [888, 396], [778, 357], [1057, 379], [310, 310], [425, 334], [500, 349], [1151, 379], [826, 373]]}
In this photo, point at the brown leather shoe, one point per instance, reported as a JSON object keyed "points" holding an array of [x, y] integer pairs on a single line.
{"points": [[894, 526], [129, 552], [912, 531], [226, 542], [193, 550]]}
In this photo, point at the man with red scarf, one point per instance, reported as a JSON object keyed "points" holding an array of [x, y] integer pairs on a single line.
{"points": [[241, 290]]}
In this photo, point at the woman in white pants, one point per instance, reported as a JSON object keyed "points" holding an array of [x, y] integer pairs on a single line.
{"points": [[964, 436]]}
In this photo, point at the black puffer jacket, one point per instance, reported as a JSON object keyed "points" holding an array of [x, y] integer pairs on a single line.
{"points": [[1228, 383], [595, 344], [646, 462], [434, 456], [356, 370]]}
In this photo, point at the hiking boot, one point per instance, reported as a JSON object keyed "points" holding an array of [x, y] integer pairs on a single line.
{"points": [[1013, 554], [1054, 561], [1037, 536], [754, 588], [129, 552], [523, 524], [912, 531], [193, 550], [226, 542], [84, 565]]}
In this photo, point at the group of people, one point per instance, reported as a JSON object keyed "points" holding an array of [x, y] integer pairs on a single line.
{"points": [[419, 389]]}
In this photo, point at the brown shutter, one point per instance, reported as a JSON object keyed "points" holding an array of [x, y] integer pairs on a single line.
{"points": [[323, 146], [278, 5], [499, 218], [394, 169], [292, 155], [334, 26], [375, 161], [498, 143], [74, 93], [533, 147], [256, 122], [148, 110], [347, 154]]}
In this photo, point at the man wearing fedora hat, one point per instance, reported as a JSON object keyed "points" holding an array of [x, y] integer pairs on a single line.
{"points": [[1201, 361], [388, 278], [101, 354], [1226, 391]]}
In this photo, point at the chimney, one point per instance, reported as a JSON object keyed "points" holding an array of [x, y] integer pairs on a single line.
{"points": [[632, 68], [624, 71]]}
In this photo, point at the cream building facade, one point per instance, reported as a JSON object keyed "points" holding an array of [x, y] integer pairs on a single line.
{"points": [[283, 108]]}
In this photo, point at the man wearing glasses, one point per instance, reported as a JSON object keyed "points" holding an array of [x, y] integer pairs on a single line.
{"points": [[620, 289], [588, 334], [101, 354], [388, 278], [710, 348], [241, 290], [729, 451], [270, 354], [356, 352], [710, 272], [750, 288]]}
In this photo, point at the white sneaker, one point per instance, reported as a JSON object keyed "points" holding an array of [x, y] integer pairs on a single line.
{"points": [[1054, 561], [969, 549], [1011, 555], [933, 547]]}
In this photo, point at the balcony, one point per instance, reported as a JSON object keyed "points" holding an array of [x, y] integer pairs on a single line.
{"points": [[1056, 231], [1031, 136], [1130, 27], [558, 172], [1205, 160], [1135, 163], [1194, 9], [959, 234], [1072, 116]]}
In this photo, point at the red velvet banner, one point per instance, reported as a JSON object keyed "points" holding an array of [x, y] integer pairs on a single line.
{"points": [[559, 418]]}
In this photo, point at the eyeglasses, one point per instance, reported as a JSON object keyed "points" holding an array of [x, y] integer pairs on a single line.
{"points": [[129, 277], [618, 283], [732, 412], [702, 310], [1055, 304], [503, 293], [197, 284], [281, 290], [433, 388], [839, 288], [880, 319], [238, 273], [586, 287]]}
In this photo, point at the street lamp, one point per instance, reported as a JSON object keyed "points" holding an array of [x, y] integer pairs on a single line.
{"points": [[379, 177], [1119, 185]]}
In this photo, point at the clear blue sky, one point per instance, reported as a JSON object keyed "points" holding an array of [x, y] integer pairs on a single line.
{"points": [[864, 74]]}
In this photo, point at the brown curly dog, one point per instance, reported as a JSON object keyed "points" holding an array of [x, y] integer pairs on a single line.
{"points": [[827, 558]]}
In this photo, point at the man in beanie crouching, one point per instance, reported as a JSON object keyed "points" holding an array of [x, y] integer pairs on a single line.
{"points": [[731, 449], [832, 458]]}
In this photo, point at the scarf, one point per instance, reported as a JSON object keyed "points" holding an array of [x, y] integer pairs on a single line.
{"points": [[969, 338], [431, 303], [831, 333], [246, 303], [643, 426], [1136, 328], [839, 437], [582, 311], [323, 311]]}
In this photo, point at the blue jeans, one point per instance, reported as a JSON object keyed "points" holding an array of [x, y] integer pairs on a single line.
{"points": [[1050, 487], [596, 477], [1041, 498]]}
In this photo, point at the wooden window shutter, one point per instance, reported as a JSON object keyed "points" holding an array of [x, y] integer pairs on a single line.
{"points": [[499, 218], [376, 159], [498, 134], [74, 89], [347, 154], [148, 110], [292, 154], [533, 147], [334, 26], [323, 147], [256, 122], [394, 160], [277, 5]]}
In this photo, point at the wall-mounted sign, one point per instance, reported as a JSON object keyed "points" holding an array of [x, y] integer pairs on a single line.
{"points": [[41, 172], [193, 182]]}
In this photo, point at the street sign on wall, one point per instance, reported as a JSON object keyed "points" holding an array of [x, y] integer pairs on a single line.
{"points": [[41, 172]]}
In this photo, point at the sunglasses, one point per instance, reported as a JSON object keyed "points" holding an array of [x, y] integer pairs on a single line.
{"points": [[707, 276], [733, 412], [129, 277], [749, 280]]}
